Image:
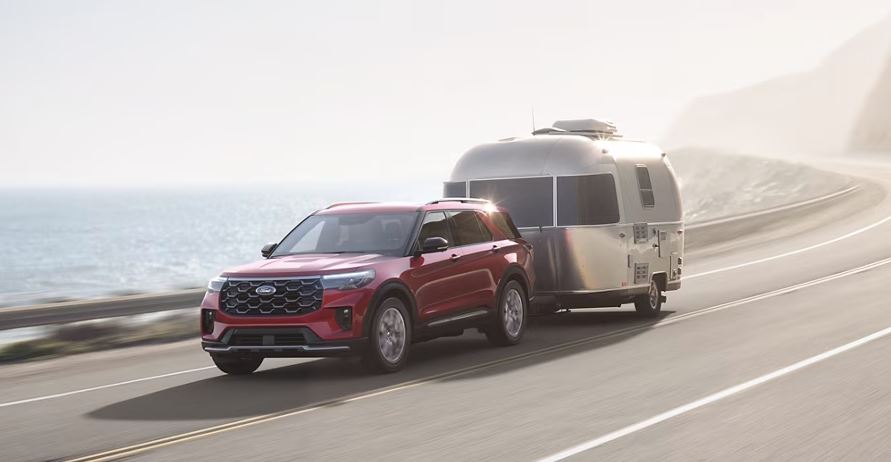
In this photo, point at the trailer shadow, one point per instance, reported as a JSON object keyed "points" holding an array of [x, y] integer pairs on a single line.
{"points": [[329, 381]]}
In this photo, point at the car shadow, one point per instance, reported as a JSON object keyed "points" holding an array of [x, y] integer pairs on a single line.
{"points": [[330, 380]]}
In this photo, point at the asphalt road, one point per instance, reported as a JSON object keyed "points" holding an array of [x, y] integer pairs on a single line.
{"points": [[775, 348]]}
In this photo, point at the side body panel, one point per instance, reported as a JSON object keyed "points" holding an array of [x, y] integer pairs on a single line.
{"points": [[579, 259], [440, 284]]}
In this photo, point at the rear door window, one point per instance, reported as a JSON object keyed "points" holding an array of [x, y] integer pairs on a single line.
{"points": [[530, 201], [468, 229], [646, 186], [587, 200]]}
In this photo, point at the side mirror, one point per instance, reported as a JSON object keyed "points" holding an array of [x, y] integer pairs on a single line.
{"points": [[268, 249], [434, 244]]}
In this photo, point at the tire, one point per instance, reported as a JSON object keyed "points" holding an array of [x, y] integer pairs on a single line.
{"points": [[237, 365], [649, 304], [389, 337], [509, 324]]}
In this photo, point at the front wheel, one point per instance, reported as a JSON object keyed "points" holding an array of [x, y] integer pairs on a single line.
{"points": [[389, 337], [510, 319], [649, 305], [237, 365]]}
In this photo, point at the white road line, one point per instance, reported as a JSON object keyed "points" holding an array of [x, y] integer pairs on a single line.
{"points": [[793, 252], [692, 276], [772, 293], [713, 398], [102, 387]]}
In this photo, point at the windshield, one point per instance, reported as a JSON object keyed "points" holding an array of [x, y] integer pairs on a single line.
{"points": [[385, 234]]}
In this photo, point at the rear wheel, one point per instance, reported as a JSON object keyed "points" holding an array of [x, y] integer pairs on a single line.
{"points": [[389, 337], [649, 304], [237, 365], [510, 319]]}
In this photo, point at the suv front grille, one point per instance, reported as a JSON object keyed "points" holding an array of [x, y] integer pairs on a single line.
{"points": [[291, 297]]}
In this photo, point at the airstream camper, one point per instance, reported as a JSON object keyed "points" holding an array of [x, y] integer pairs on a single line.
{"points": [[602, 213]]}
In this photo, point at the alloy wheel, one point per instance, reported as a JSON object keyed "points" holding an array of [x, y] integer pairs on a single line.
{"points": [[512, 312], [391, 335]]}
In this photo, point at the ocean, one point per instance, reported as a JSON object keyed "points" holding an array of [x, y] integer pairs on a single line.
{"points": [[72, 243]]}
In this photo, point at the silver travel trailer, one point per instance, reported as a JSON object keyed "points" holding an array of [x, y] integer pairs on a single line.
{"points": [[602, 213]]}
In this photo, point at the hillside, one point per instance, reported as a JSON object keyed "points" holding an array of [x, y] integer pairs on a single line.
{"points": [[810, 112], [873, 130], [718, 185]]}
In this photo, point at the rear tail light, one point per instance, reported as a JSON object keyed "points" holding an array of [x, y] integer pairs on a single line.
{"points": [[207, 318]]}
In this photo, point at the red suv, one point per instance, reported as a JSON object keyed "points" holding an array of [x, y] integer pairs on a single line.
{"points": [[370, 279]]}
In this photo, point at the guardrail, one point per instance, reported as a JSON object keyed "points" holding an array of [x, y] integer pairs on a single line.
{"points": [[64, 312], [697, 235]]}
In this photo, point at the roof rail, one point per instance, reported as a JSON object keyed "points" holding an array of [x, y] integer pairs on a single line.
{"points": [[339, 204], [463, 200]]}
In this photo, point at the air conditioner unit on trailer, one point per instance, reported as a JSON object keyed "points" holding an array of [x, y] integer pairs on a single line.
{"points": [[587, 126]]}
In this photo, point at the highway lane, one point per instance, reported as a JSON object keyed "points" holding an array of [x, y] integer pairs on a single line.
{"points": [[141, 411], [844, 417], [543, 405]]}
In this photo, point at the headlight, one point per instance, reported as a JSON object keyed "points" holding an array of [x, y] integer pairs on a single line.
{"points": [[216, 284], [346, 281]]}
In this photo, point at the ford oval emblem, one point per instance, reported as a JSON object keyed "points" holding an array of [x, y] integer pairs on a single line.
{"points": [[265, 290]]}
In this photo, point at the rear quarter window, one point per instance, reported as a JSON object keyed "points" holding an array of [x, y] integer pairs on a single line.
{"points": [[505, 224]]}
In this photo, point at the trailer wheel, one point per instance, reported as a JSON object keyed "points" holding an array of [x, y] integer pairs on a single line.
{"points": [[649, 304]]}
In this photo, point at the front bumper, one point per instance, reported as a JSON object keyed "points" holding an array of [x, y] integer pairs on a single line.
{"points": [[280, 342]]}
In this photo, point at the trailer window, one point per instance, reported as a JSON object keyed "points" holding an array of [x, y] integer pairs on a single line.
{"points": [[454, 189], [646, 186], [530, 201], [587, 200]]}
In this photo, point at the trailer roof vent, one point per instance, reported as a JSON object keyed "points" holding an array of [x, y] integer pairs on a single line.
{"points": [[548, 131], [605, 127]]}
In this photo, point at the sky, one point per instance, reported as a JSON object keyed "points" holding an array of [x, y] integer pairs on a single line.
{"points": [[110, 93]]}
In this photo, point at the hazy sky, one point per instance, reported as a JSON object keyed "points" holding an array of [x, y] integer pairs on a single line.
{"points": [[136, 92]]}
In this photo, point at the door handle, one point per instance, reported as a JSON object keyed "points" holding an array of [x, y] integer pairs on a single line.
{"points": [[455, 257]]}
